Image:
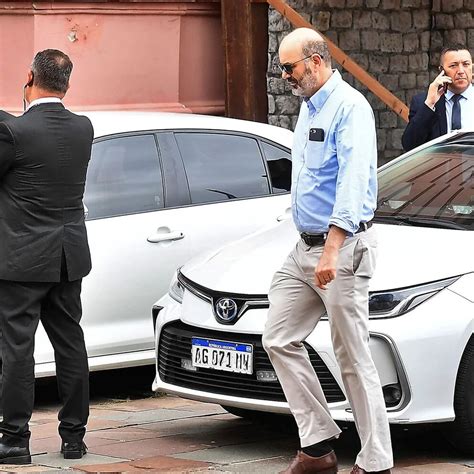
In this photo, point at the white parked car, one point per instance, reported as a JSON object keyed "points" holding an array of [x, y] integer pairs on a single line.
{"points": [[161, 188], [209, 326]]}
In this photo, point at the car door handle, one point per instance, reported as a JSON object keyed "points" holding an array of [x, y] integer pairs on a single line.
{"points": [[285, 215], [164, 236]]}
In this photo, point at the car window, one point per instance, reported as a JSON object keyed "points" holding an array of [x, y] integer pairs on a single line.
{"points": [[279, 166], [220, 167], [123, 177], [434, 184]]}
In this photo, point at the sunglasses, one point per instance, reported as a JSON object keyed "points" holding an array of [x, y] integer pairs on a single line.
{"points": [[288, 67]]}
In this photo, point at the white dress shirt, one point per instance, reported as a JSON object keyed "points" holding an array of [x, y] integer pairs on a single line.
{"points": [[43, 100], [467, 108]]}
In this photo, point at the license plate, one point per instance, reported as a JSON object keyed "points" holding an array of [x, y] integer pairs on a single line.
{"points": [[222, 355]]}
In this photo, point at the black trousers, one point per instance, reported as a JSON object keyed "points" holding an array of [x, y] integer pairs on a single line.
{"points": [[58, 306]]}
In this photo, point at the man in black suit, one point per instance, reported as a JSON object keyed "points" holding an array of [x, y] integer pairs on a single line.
{"points": [[449, 103], [44, 255]]}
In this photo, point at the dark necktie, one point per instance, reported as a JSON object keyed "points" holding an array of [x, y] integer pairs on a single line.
{"points": [[456, 117]]}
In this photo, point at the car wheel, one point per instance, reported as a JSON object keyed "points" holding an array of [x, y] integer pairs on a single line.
{"points": [[461, 431]]}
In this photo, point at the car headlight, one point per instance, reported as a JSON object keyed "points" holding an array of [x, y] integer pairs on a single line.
{"points": [[386, 304], [176, 290]]}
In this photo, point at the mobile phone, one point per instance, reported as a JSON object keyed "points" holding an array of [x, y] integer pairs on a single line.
{"points": [[445, 85], [316, 134]]}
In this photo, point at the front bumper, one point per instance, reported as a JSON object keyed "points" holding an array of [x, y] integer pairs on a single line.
{"points": [[415, 351]]}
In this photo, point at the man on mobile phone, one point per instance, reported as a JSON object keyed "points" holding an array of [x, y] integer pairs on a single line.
{"points": [[447, 105]]}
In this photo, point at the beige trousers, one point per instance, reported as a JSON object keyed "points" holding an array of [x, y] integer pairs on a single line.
{"points": [[296, 306]]}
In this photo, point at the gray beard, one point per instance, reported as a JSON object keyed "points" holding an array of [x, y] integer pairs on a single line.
{"points": [[307, 83]]}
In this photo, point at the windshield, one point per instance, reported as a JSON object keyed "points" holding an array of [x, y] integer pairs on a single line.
{"points": [[433, 187]]}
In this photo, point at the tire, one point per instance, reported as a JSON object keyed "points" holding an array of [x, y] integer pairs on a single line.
{"points": [[461, 431]]}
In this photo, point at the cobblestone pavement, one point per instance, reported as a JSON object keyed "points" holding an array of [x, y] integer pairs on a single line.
{"points": [[169, 434]]}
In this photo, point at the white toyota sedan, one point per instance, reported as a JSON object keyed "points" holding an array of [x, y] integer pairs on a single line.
{"points": [[209, 326], [161, 188]]}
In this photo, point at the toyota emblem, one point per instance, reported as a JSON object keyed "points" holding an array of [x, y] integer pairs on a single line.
{"points": [[226, 310]]}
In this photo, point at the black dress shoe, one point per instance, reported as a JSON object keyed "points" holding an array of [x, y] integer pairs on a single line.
{"points": [[73, 450], [11, 453]]}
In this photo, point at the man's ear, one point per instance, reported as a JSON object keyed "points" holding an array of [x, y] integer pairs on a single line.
{"points": [[317, 59], [30, 79]]}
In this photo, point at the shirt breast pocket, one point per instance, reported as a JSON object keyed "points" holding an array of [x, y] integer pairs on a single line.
{"points": [[315, 155]]}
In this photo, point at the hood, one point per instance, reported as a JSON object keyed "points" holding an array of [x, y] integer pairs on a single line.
{"points": [[407, 256]]}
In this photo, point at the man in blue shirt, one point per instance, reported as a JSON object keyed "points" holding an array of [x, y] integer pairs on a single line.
{"points": [[334, 189]]}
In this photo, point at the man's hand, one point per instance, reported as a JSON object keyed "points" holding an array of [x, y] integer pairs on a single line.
{"points": [[325, 272], [435, 91]]}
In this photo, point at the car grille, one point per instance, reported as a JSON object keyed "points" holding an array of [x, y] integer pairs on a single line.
{"points": [[175, 345]]}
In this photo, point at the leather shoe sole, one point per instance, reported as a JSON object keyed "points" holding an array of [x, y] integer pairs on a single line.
{"points": [[16, 460]]}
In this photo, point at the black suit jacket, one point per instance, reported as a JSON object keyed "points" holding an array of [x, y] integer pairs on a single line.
{"points": [[424, 124], [5, 115], [44, 156]]}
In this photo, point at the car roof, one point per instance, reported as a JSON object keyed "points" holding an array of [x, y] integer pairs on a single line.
{"points": [[113, 122]]}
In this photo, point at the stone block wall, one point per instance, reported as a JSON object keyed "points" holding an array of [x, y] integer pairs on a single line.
{"points": [[396, 41]]}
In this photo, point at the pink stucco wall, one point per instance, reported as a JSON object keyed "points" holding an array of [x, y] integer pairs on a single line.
{"points": [[157, 56]]}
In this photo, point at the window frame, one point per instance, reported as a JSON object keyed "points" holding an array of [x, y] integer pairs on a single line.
{"points": [[239, 134], [176, 192], [132, 134]]}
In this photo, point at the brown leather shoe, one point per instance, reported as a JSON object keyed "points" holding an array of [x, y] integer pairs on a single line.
{"points": [[358, 470], [304, 464]]}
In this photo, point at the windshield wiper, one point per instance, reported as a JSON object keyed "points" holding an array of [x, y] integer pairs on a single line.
{"points": [[423, 221]]}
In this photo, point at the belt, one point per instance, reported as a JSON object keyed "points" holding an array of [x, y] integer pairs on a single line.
{"points": [[319, 239]]}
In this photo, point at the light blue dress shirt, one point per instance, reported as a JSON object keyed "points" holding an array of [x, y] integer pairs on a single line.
{"points": [[334, 181]]}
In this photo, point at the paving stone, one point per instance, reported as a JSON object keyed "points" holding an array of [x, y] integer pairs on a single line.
{"points": [[153, 464], [44, 430], [118, 434], [243, 452], [124, 418], [269, 466], [43, 417], [45, 445], [152, 403], [57, 460], [114, 468], [151, 447], [168, 463], [27, 468]]}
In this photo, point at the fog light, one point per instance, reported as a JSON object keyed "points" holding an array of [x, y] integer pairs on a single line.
{"points": [[266, 376], [392, 394], [187, 364]]}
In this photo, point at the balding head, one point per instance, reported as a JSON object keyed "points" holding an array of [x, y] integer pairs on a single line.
{"points": [[305, 61], [306, 41]]}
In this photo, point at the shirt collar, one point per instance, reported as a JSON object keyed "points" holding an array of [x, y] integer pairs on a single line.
{"points": [[467, 94], [43, 100], [317, 100]]}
